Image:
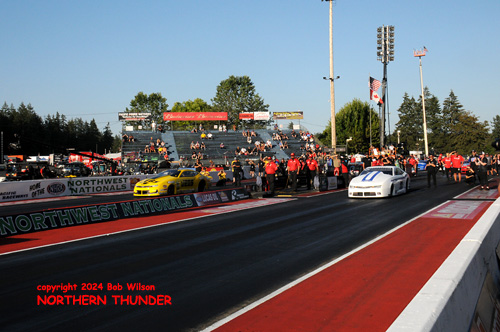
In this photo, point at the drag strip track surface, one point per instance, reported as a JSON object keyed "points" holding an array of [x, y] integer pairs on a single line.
{"points": [[209, 267]]}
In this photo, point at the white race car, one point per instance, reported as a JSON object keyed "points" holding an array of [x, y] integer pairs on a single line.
{"points": [[379, 181]]}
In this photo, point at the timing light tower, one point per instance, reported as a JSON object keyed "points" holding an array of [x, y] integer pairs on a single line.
{"points": [[385, 54]]}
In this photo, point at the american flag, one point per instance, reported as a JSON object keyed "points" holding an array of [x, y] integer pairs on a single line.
{"points": [[374, 84]]}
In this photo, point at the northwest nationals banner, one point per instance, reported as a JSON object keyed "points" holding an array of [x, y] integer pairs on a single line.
{"points": [[34, 189], [81, 215]]}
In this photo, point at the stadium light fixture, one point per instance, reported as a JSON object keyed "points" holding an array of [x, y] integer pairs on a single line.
{"points": [[385, 54]]}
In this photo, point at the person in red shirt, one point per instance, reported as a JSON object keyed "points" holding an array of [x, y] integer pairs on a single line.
{"points": [[311, 171], [413, 162], [456, 166], [271, 169], [447, 166], [293, 166], [345, 173]]}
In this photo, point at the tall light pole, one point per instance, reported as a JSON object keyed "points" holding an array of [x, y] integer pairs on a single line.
{"points": [[385, 54], [1, 147], [420, 54], [332, 87]]}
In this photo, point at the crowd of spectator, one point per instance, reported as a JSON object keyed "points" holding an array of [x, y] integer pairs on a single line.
{"points": [[157, 146]]}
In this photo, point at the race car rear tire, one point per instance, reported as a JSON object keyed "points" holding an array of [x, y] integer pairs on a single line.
{"points": [[391, 193]]}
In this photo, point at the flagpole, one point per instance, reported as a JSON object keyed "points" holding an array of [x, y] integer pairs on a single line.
{"points": [[370, 110]]}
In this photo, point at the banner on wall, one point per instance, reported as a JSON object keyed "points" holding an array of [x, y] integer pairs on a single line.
{"points": [[81, 215], [257, 116], [288, 115], [246, 116], [195, 116], [131, 116], [33, 189]]}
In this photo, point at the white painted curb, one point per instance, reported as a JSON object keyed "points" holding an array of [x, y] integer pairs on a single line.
{"points": [[447, 301]]}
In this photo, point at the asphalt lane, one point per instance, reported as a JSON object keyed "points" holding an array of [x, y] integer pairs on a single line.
{"points": [[210, 267]]}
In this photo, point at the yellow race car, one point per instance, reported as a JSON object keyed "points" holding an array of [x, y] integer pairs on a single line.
{"points": [[173, 182]]}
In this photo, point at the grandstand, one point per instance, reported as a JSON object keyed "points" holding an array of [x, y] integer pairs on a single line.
{"points": [[179, 151]]}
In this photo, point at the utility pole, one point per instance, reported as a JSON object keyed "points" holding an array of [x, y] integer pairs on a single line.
{"points": [[420, 54], [332, 86], [1, 147]]}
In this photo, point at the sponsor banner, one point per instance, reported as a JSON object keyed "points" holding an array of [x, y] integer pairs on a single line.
{"points": [[24, 190], [328, 183], [288, 115], [332, 182], [81, 215], [246, 116], [131, 116], [257, 116], [261, 116], [207, 198], [103, 184], [195, 116]]}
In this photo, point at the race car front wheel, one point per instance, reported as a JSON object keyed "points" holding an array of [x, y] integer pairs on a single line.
{"points": [[201, 186]]}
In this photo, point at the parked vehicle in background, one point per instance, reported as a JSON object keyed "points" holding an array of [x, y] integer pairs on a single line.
{"points": [[99, 168], [421, 165], [3, 171], [466, 164], [74, 169], [18, 172]]}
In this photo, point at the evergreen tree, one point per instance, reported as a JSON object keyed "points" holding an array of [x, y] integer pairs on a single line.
{"points": [[28, 128], [463, 131], [433, 114], [153, 103], [469, 134], [495, 131], [198, 105], [353, 120], [107, 139], [410, 122], [452, 109], [236, 95]]}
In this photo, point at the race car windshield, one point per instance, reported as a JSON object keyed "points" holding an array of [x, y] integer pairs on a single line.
{"points": [[384, 170], [171, 172]]}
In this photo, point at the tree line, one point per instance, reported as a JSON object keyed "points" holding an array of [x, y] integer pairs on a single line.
{"points": [[26, 133], [449, 127], [234, 95]]}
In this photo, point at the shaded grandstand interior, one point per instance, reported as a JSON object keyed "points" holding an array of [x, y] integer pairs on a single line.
{"points": [[178, 146]]}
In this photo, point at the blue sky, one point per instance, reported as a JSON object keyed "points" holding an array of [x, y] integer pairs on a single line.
{"points": [[88, 59]]}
